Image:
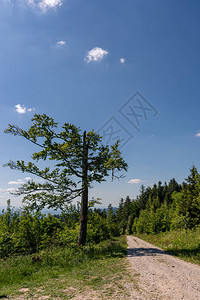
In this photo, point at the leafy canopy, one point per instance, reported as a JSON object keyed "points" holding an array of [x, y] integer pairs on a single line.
{"points": [[62, 181]]}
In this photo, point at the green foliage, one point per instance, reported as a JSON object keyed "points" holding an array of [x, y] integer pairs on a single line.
{"points": [[98, 229], [27, 232], [63, 181], [58, 261], [180, 242], [162, 207], [141, 224], [79, 160], [157, 209], [168, 207], [125, 214], [187, 202]]}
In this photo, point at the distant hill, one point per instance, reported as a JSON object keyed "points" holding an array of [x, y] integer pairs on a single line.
{"points": [[44, 211]]}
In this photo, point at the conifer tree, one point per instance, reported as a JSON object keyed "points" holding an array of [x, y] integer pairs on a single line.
{"points": [[79, 159]]}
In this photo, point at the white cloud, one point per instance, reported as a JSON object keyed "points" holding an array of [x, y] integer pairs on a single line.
{"points": [[61, 43], [19, 181], [96, 54], [14, 182], [136, 181], [122, 60], [9, 190], [198, 134], [44, 4], [21, 109]]}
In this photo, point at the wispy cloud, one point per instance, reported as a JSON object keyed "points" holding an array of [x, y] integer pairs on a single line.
{"points": [[19, 181], [198, 134], [95, 54], [9, 190], [43, 5], [122, 60], [61, 43], [150, 136], [136, 181], [21, 109], [31, 2], [14, 182]]}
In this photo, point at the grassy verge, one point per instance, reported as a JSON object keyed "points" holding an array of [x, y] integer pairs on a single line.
{"points": [[67, 273], [183, 243]]}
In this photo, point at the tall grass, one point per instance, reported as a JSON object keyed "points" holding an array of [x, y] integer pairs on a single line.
{"points": [[34, 270], [182, 243]]}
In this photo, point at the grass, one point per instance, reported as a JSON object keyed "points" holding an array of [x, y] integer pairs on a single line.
{"points": [[182, 243], [65, 273]]}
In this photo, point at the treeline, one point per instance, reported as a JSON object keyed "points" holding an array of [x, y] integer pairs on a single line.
{"points": [[162, 207], [28, 232]]}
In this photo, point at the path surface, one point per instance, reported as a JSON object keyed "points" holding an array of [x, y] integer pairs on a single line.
{"points": [[160, 275]]}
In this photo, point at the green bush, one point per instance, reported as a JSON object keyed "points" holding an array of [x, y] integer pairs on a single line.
{"points": [[26, 232], [97, 229]]}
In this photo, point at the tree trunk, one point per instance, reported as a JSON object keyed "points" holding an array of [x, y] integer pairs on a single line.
{"points": [[84, 196]]}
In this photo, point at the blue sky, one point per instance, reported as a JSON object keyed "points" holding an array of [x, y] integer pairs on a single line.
{"points": [[89, 63]]}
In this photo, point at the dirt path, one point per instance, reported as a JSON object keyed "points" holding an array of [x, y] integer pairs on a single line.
{"points": [[160, 275]]}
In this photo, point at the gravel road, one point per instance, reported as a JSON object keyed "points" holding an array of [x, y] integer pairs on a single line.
{"points": [[160, 275]]}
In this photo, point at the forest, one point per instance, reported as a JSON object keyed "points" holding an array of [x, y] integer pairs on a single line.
{"points": [[160, 208]]}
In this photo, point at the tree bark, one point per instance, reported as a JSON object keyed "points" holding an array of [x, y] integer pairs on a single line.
{"points": [[84, 196]]}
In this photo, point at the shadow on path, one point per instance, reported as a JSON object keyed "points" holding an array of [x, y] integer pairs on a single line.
{"points": [[145, 252]]}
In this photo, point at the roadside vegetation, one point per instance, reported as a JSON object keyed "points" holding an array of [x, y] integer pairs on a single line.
{"points": [[39, 253], [28, 232], [79, 159], [182, 243], [163, 208], [62, 273], [168, 215], [167, 207]]}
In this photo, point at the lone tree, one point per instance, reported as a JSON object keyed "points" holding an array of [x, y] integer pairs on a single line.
{"points": [[79, 159]]}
